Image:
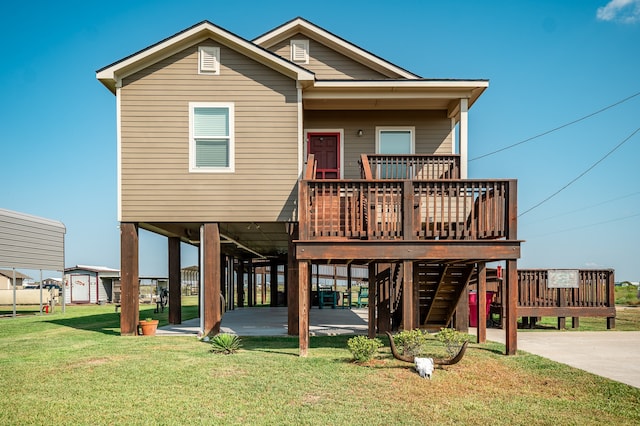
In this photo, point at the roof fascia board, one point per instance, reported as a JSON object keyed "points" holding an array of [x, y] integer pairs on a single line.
{"points": [[121, 69], [337, 43], [402, 84], [375, 94]]}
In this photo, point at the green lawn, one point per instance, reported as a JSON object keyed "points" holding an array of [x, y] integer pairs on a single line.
{"points": [[74, 368]]}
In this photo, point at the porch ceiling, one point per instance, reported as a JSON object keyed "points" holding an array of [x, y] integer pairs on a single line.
{"points": [[240, 239], [391, 94]]}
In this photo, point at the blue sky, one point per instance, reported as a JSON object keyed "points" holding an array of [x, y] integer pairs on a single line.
{"points": [[549, 63]]}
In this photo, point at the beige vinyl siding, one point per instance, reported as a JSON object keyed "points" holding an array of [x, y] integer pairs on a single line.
{"points": [[433, 131], [326, 63], [156, 183]]}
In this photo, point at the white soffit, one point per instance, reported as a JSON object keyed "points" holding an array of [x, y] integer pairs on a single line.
{"points": [[429, 94]]}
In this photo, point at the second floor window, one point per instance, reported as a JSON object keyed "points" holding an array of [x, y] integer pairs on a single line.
{"points": [[211, 145]]}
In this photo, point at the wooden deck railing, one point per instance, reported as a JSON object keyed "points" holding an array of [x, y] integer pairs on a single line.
{"points": [[414, 167], [595, 290], [405, 209]]}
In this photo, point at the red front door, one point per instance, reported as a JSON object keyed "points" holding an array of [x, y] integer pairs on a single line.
{"points": [[326, 148]]}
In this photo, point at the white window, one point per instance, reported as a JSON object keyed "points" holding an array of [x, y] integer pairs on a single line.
{"points": [[211, 137], [395, 140], [300, 51], [208, 60]]}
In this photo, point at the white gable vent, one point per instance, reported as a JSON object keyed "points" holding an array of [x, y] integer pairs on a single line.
{"points": [[300, 51], [209, 60]]}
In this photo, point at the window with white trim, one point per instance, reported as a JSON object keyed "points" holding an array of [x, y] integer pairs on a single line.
{"points": [[211, 137], [395, 140], [300, 51], [208, 60]]}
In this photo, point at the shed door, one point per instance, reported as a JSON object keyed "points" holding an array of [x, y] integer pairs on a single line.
{"points": [[80, 288], [326, 148]]}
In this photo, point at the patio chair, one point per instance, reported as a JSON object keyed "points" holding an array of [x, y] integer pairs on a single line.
{"points": [[327, 297], [363, 293]]}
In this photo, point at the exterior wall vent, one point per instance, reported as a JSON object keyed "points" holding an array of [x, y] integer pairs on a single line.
{"points": [[300, 51], [209, 60]]}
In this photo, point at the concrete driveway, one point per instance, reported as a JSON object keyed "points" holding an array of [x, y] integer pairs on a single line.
{"points": [[611, 354]]}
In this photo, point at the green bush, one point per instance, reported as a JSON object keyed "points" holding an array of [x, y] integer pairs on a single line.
{"points": [[452, 340], [362, 348], [226, 344], [412, 342]]}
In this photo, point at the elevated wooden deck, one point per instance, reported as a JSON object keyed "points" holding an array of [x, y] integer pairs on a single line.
{"points": [[397, 211], [423, 231]]}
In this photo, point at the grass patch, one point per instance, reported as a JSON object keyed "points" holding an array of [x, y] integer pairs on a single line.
{"points": [[627, 295], [74, 368]]}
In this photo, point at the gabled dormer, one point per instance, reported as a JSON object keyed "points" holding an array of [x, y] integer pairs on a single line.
{"points": [[330, 57]]}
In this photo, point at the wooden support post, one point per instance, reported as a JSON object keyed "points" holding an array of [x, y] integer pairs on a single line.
{"points": [[240, 283], [562, 302], [408, 209], [461, 319], [294, 284], [482, 303], [511, 300], [129, 279], [199, 275], [175, 282], [575, 322], [250, 284], [383, 290], [285, 278], [273, 272], [372, 300], [303, 308], [408, 299], [611, 299], [211, 279], [223, 279]]}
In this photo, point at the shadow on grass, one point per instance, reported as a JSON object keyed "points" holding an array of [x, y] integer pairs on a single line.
{"points": [[289, 345], [109, 322], [106, 323]]}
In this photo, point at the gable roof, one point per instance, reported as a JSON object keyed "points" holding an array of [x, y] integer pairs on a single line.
{"points": [[103, 269], [112, 74], [301, 25], [9, 274]]}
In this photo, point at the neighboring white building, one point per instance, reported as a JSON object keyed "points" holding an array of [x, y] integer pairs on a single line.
{"points": [[100, 284], [90, 284]]}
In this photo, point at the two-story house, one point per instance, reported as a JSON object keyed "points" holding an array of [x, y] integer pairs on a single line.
{"points": [[303, 146]]}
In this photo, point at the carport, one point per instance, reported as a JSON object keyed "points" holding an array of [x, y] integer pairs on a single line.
{"points": [[31, 242]]}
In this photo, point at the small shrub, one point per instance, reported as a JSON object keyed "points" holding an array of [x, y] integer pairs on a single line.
{"points": [[226, 344], [412, 342], [452, 340], [362, 348]]}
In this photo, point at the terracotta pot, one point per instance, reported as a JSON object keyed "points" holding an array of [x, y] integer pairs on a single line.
{"points": [[147, 328]]}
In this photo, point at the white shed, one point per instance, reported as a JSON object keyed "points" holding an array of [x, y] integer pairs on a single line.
{"points": [[90, 284]]}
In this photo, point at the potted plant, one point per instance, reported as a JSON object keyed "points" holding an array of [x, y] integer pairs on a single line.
{"points": [[147, 327]]}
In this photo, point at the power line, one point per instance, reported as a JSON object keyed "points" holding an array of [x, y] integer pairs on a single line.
{"points": [[557, 128], [581, 209], [581, 174], [586, 226]]}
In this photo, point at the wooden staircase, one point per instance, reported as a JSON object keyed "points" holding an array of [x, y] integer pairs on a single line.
{"points": [[440, 289]]}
